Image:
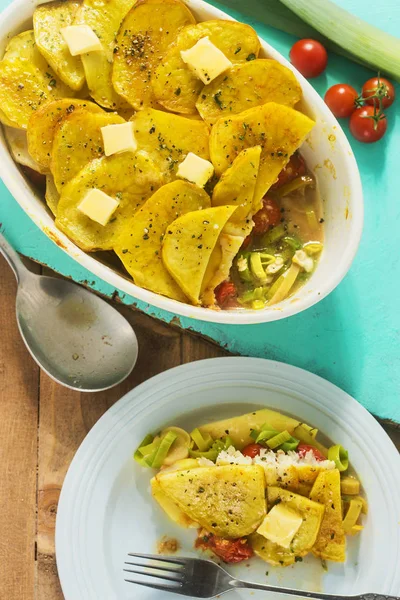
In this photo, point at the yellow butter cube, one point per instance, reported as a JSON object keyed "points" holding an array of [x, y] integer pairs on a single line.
{"points": [[98, 206], [81, 39], [195, 169], [206, 60], [118, 138], [281, 525]]}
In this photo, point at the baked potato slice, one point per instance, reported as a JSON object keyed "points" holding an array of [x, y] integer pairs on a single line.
{"points": [[44, 122], [52, 195], [26, 81], [18, 144], [237, 186], [331, 541], [140, 243], [312, 513], [237, 41], [247, 85], [168, 138], [188, 245], [228, 501], [77, 141], [174, 512], [128, 177], [145, 34], [278, 129], [239, 428], [270, 552], [105, 18], [48, 20], [219, 265]]}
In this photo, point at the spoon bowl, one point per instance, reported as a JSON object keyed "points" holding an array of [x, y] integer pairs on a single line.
{"points": [[76, 337]]}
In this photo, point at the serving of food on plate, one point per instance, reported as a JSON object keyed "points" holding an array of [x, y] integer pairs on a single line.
{"points": [[169, 143], [259, 483]]}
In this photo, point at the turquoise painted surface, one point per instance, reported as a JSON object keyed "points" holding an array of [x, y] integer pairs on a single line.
{"points": [[351, 338]]}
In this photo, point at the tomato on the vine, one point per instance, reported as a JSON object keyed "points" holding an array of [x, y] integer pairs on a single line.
{"points": [[378, 89], [341, 99], [309, 57], [367, 124]]}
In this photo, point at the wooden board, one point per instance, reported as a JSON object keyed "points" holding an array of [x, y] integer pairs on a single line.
{"points": [[42, 426]]}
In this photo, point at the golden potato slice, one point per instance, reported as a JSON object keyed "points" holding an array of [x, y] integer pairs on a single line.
{"points": [[44, 122], [174, 512], [140, 47], [128, 177], [239, 43], [311, 512], [139, 246], [105, 18], [246, 85], [270, 552], [52, 195], [48, 20], [278, 129], [219, 265], [237, 186], [228, 501], [77, 141], [18, 144], [331, 541], [168, 138], [26, 81], [187, 248]]}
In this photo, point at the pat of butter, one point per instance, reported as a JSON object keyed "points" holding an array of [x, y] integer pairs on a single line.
{"points": [[195, 169], [81, 39], [118, 138], [281, 525], [98, 206], [206, 60]]}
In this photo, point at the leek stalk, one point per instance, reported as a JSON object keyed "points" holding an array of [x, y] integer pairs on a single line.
{"points": [[365, 42]]}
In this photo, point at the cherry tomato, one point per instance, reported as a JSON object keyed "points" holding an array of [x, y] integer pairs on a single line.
{"points": [[225, 291], [230, 551], [252, 450], [309, 57], [380, 87], [267, 217], [340, 98], [246, 242], [295, 168], [366, 125], [302, 450]]}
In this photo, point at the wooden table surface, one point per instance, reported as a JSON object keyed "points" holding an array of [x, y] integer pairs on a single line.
{"points": [[42, 426]]}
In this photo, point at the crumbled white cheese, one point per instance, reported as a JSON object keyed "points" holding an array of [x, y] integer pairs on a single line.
{"points": [[204, 462], [275, 266], [303, 260], [233, 457]]}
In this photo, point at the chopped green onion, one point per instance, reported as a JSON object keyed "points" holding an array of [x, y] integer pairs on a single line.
{"points": [[258, 304], [293, 242], [340, 457], [274, 234], [244, 274], [138, 456], [352, 514], [250, 295], [210, 454], [312, 218], [284, 284], [228, 442], [257, 268], [254, 433], [289, 445], [163, 449], [278, 440], [266, 258], [203, 443], [313, 248], [365, 42], [266, 434], [296, 184]]}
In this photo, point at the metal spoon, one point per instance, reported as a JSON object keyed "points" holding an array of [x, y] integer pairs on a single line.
{"points": [[78, 339]]}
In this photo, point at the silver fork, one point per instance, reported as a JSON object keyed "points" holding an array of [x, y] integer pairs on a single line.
{"points": [[204, 579]]}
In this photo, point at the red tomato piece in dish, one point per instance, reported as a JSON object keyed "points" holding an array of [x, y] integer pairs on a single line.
{"points": [[230, 551], [252, 450], [302, 450], [295, 168], [224, 292], [267, 217]]}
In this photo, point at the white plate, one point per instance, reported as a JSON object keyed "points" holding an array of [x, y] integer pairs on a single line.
{"points": [[327, 152], [106, 509]]}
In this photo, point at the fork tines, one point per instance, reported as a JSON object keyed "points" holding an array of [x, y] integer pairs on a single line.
{"points": [[170, 565]]}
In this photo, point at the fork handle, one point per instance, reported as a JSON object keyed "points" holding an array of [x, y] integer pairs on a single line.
{"points": [[237, 583]]}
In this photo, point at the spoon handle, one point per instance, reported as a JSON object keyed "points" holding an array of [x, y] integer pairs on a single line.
{"points": [[13, 259]]}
